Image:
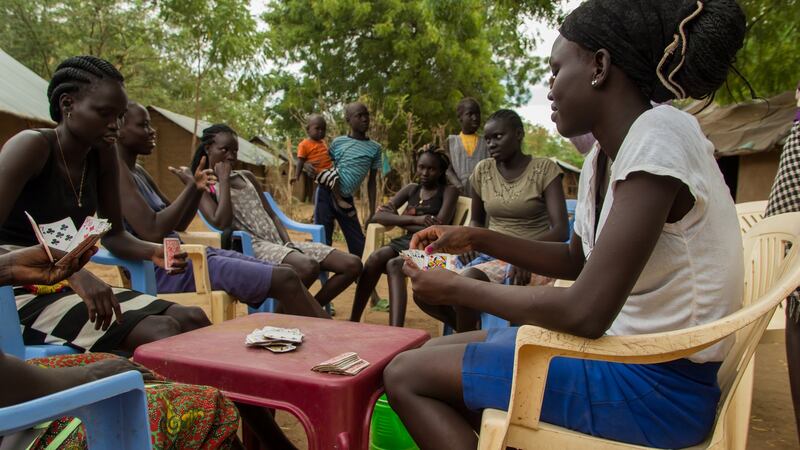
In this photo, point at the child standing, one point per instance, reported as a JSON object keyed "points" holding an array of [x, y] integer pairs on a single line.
{"points": [[313, 151], [354, 156], [467, 148]]}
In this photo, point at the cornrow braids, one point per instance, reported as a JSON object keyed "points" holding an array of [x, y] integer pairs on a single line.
{"points": [[464, 103], [75, 74], [206, 139], [508, 116]]}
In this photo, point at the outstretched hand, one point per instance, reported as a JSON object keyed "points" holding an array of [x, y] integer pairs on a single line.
{"points": [[203, 178], [31, 265], [444, 239]]}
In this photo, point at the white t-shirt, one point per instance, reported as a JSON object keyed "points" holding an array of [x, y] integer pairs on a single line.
{"points": [[695, 273]]}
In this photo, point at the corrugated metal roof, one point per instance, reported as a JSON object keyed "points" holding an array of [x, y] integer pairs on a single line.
{"points": [[22, 92], [565, 165], [249, 153]]}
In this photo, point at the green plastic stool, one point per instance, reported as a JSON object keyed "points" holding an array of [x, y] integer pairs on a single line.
{"points": [[387, 432]]}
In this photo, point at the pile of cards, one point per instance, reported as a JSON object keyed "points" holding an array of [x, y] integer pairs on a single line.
{"points": [[64, 241], [345, 364], [425, 261], [274, 339]]}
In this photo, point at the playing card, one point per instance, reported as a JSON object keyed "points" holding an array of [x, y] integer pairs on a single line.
{"points": [[274, 339], [172, 246], [39, 237], [59, 235], [280, 347], [425, 261]]}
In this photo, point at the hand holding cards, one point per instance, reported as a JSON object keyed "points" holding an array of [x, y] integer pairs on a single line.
{"points": [[64, 241], [425, 261], [172, 246]]}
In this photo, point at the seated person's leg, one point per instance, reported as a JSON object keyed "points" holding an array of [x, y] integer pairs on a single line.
{"points": [[292, 295], [397, 291], [468, 319], [345, 267], [442, 313], [307, 269], [424, 387], [375, 266]]}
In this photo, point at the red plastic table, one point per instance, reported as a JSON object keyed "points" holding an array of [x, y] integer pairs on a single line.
{"points": [[335, 410]]}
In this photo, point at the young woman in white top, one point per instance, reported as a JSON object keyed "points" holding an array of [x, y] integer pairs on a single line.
{"points": [[656, 245]]}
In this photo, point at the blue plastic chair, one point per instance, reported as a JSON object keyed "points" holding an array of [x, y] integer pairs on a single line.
{"points": [[142, 279], [317, 233], [113, 410], [490, 321]]}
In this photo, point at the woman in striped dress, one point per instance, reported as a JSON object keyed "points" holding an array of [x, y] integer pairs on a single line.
{"points": [[71, 171]]}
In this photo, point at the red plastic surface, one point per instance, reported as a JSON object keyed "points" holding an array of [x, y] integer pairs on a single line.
{"points": [[334, 409]]}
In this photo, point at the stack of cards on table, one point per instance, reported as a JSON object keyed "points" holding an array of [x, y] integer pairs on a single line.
{"points": [[345, 364], [64, 241], [425, 261], [274, 339]]}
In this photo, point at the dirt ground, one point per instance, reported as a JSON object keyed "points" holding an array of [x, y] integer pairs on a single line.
{"points": [[771, 424]]}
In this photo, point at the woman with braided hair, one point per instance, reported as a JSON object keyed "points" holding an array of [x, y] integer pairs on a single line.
{"points": [[656, 245], [71, 171]]}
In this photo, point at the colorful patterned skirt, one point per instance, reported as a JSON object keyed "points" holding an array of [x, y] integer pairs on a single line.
{"points": [[182, 416]]}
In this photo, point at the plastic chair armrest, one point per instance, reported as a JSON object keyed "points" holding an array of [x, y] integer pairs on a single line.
{"points": [[197, 254], [317, 232], [246, 240], [18, 417], [143, 277]]}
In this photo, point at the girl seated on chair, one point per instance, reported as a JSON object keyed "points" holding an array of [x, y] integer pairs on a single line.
{"points": [[656, 245], [514, 194], [151, 216], [430, 202], [238, 202]]}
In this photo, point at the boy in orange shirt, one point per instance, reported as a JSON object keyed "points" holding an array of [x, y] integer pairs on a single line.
{"points": [[313, 150]]}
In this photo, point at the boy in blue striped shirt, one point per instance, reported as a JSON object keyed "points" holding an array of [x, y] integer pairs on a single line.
{"points": [[354, 156]]}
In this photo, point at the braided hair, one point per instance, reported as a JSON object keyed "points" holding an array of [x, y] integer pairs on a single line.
{"points": [[206, 139], [75, 74], [466, 102], [510, 117], [441, 155]]}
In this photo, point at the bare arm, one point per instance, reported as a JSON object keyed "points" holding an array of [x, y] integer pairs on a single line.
{"points": [[219, 211], [588, 308], [117, 240], [387, 214], [372, 184], [299, 171], [556, 212], [148, 224], [478, 215]]}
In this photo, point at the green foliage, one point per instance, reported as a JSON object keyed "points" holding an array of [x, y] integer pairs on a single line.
{"points": [[161, 48], [540, 142], [429, 53], [770, 58]]}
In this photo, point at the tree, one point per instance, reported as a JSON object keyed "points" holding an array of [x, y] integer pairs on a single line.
{"points": [[540, 142], [769, 59], [427, 53]]}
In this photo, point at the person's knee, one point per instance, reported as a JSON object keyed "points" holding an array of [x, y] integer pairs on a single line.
{"points": [[475, 274], [188, 317], [284, 280], [160, 327], [395, 266], [352, 267], [307, 269], [398, 375]]}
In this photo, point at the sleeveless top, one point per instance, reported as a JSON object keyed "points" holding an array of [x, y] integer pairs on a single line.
{"points": [[694, 275], [463, 164], [48, 197], [418, 207], [150, 197]]}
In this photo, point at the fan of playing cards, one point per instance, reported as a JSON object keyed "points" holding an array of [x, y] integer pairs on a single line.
{"points": [[274, 339], [62, 237], [345, 364], [425, 261]]}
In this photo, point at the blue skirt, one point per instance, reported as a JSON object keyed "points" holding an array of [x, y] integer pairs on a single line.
{"points": [[667, 405]]}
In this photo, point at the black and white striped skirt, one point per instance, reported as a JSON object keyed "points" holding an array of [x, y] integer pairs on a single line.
{"points": [[62, 318]]}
